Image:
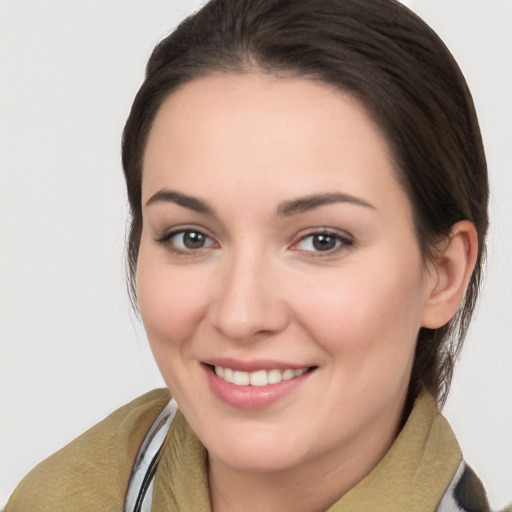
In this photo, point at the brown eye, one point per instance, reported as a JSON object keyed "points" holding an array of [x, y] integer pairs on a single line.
{"points": [[193, 239], [323, 242], [186, 240]]}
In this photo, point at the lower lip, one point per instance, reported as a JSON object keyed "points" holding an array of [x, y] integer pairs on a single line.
{"points": [[252, 397]]}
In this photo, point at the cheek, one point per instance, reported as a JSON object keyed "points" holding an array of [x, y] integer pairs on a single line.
{"points": [[171, 302], [369, 315]]}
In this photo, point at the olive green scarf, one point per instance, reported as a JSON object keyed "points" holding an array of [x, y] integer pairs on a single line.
{"points": [[92, 472], [412, 476]]}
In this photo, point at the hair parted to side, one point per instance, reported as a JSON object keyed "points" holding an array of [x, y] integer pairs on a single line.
{"points": [[395, 64]]}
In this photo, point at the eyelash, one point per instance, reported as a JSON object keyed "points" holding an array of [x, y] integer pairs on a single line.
{"points": [[166, 239], [341, 242]]}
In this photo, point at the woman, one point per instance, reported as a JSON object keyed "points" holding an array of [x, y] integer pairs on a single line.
{"points": [[308, 193]]}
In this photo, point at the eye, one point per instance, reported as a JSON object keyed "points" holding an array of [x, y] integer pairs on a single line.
{"points": [[186, 240], [323, 242]]}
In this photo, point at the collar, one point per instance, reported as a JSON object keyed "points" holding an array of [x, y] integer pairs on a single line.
{"points": [[413, 475]]}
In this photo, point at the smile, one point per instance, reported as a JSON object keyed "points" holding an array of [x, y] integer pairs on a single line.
{"points": [[257, 378], [255, 385]]}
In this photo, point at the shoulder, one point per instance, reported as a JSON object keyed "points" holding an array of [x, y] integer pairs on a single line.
{"points": [[95, 468]]}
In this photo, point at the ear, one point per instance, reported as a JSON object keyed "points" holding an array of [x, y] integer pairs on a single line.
{"points": [[450, 274]]}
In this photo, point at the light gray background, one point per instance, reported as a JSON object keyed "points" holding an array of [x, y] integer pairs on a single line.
{"points": [[71, 351]]}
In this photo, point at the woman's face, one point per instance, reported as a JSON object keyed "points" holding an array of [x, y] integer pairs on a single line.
{"points": [[278, 250]]}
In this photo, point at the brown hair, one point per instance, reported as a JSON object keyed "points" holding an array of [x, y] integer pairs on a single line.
{"points": [[396, 65]]}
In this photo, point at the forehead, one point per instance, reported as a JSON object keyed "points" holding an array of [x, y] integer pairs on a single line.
{"points": [[294, 134]]}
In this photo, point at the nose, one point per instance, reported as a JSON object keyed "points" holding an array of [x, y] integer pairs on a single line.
{"points": [[249, 303]]}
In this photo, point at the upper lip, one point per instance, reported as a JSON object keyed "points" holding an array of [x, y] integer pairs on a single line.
{"points": [[253, 365]]}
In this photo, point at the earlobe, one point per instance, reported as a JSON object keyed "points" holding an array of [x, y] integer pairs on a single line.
{"points": [[450, 274]]}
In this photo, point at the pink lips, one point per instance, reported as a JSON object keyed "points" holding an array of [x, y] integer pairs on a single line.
{"points": [[251, 366], [251, 397]]}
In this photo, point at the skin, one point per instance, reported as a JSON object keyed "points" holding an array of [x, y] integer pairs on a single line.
{"points": [[258, 289]]}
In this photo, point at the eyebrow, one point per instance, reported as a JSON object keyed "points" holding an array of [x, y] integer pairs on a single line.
{"points": [[304, 204], [171, 196], [285, 209]]}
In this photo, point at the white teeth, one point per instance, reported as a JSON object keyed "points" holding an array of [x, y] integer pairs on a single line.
{"points": [[240, 378], [274, 376], [259, 377], [288, 374], [228, 374]]}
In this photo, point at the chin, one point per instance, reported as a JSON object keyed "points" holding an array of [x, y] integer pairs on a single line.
{"points": [[254, 452], [256, 460]]}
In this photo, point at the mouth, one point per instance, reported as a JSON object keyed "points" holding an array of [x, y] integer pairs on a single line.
{"points": [[258, 378], [255, 385]]}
